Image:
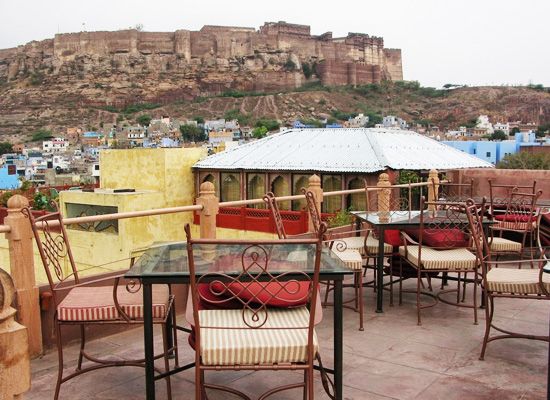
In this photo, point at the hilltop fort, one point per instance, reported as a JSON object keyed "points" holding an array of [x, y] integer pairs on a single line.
{"points": [[120, 68]]}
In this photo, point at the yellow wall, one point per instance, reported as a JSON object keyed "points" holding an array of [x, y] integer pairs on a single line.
{"points": [[161, 178]]}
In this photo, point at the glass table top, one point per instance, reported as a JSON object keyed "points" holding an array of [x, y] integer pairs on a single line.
{"points": [[171, 259]]}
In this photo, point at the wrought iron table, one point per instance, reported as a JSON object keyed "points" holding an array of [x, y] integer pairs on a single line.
{"points": [[166, 263]]}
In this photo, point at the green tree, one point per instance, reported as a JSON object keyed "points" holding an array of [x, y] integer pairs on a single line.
{"points": [[259, 132], [515, 130], [199, 119], [525, 160], [192, 133], [144, 119], [269, 124], [41, 135], [498, 135], [542, 130], [5, 147]]}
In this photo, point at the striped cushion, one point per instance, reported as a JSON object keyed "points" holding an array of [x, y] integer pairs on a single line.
{"points": [[440, 259], [254, 346], [358, 243], [352, 258], [97, 304], [519, 226], [520, 281], [501, 244]]}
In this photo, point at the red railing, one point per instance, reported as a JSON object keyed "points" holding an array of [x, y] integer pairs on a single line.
{"points": [[258, 220]]}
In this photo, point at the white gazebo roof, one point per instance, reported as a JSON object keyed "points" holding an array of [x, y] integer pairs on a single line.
{"points": [[360, 150]]}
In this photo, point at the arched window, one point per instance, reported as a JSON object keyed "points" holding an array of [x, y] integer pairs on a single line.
{"points": [[255, 189], [357, 200], [331, 183], [210, 178], [280, 188], [230, 187], [298, 182]]}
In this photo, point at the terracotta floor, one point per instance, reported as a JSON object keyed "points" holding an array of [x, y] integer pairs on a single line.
{"points": [[392, 358]]}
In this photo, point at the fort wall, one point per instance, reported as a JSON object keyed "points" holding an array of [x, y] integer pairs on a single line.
{"points": [[209, 61]]}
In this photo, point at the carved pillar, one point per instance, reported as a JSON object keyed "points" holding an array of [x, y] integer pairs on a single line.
{"points": [[211, 206], [433, 188], [20, 244], [315, 187], [15, 363], [384, 197]]}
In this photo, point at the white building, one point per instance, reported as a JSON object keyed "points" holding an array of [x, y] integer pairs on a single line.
{"points": [[56, 145], [483, 123], [394, 122], [503, 127]]}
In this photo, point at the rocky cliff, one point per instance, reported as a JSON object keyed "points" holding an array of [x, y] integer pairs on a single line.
{"points": [[125, 67]]}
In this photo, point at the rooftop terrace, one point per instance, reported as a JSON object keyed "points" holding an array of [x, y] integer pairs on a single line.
{"points": [[392, 358]]}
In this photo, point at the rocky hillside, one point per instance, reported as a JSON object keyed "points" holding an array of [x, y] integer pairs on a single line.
{"points": [[29, 104]]}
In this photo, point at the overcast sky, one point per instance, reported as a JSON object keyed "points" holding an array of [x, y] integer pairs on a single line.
{"points": [[473, 42]]}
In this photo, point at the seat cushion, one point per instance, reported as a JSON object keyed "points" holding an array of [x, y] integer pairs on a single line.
{"points": [[358, 243], [451, 259], [254, 346], [441, 238], [501, 244], [213, 301], [88, 303], [519, 281], [274, 294], [518, 222], [352, 258]]}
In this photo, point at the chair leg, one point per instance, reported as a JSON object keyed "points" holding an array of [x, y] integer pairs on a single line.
{"points": [[489, 311], [175, 335], [60, 359], [310, 383], [167, 346], [359, 290], [418, 280], [400, 281], [82, 345]]}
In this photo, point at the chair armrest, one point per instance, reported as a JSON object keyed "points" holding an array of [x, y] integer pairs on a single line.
{"points": [[87, 283], [406, 238]]}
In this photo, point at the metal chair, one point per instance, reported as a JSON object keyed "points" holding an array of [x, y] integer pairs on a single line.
{"points": [[273, 329], [399, 200], [507, 279], [96, 302], [454, 192], [510, 280], [350, 256], [443, 246], [520, 220], [499, 195]]}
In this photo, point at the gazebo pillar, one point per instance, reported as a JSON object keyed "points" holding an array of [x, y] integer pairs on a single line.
{"points": [[433, 188], [211, 206], [315, 187]]}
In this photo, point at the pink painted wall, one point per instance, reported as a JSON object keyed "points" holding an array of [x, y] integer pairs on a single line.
{"points": [[522, 177]]}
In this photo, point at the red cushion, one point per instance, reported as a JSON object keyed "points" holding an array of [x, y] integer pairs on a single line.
{"points": [[514, 218], [212, 301], [292, 294], [392, 237], [447, 238]]}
